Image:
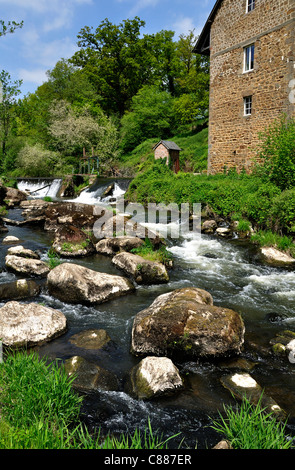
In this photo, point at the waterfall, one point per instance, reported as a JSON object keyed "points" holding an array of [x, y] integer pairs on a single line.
{"points": [[95, 194], [40, 187]]}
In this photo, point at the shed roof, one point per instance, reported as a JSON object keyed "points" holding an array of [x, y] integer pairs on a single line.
{"points": [[203, 44], [168, 144]]}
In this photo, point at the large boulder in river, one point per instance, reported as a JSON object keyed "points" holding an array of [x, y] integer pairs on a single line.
{"points": [[185, 322], [72, 283], [29, 324], [26, 266], [113, 246], [153, 377], [20, 289], [142, 271], [71, 242]]}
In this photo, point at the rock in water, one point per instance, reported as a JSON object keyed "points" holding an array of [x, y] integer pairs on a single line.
{"points": [[275, 257], [89, 376], [10, 239], [113, 246], [142, 270], [19, 250], [27, 266], [29, 324], [154, 376], [185, 321], [90, 339], [20, 289], [73, 283], [72, 242]]}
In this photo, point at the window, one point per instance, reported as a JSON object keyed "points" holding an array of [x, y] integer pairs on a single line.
{"points": [[250, 5], [249, 58], [247, 105]]}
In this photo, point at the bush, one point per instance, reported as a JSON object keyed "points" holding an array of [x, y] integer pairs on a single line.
{"points": [[282, 212], [277, 152]]}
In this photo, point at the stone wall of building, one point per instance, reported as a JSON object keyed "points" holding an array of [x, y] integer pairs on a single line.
{"points": [[233, 137], [162, 152]]}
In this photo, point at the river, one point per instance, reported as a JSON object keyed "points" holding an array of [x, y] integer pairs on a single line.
{"points": [[229, 271]]}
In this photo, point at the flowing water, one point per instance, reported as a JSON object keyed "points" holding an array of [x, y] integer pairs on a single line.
{"points": [[40, 187], [230, 272]]}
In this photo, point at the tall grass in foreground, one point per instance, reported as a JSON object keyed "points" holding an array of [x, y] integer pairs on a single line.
{"points": [[250, 427]]}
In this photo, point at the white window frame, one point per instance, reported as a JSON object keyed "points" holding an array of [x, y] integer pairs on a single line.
{"points": [[248, 105], [250, 6], [249, 55]]}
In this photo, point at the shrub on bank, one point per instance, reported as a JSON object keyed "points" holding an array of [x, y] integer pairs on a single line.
{"points": [[225, 194]]}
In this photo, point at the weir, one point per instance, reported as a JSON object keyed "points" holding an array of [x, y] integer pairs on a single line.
{"points": [[40, 187]]}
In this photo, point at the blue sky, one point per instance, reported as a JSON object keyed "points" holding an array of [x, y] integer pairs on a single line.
{"points": [[51, 27]]}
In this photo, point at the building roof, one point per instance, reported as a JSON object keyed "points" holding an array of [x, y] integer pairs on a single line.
{"points": [[203, 44], [168, 144]]}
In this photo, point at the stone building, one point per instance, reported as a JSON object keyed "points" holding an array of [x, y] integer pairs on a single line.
{"points": [[251, 44], [168, 150]]}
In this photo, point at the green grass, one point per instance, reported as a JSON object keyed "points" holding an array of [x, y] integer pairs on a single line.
{"points": [[251, 427], [148, 252], [53, 259]]}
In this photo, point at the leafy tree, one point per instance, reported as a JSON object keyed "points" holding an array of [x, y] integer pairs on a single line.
{"points": [[35, 160], [10, 90], [192, 81], [72, 130], [116, 60], [67, 82], [166, 65], [150, 116]]}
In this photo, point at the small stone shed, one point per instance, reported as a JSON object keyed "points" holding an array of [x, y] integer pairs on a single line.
{"points": [[166, 149]]}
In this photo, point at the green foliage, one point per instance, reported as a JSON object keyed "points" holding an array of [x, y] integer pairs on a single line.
{"points": [[9, 91], [30, 388], [282, 212], [268, 238], [147, 251], [277, 152], [9, 27], [53, 259], [150, 116], [251, 427]]}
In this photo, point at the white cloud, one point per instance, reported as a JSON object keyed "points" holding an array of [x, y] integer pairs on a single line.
{"points": [[183, 26], [57, 13], [36, 76], [47, 53]]}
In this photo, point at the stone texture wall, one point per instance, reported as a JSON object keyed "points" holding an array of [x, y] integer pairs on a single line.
{"points": [[162, 152], [233, 137]]}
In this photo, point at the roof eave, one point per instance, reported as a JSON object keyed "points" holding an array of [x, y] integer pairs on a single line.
{"points": [[203, 44]]}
